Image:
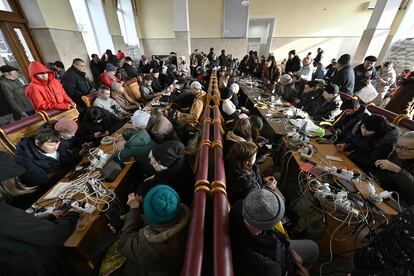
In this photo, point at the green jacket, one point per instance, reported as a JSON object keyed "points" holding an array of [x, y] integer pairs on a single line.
{"points": [[151, 250], [13, 93], [138, 146]]}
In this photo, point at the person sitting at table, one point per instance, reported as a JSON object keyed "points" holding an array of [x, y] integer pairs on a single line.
{"points": [[371, 139], [44, 91], [197, 107], [122, 98], [224, 80], [160, 128], [156, 83], [311, 96], [306, 71], [353, 111], [171, 167], [42, 155], [271, 73], [30, 245], [287, 89], [69, 141], [137, 142], [227, 107], [329, 106], [258, 248], [241, 132], [396, 172], [105, 101], [95, 123], [109, 76], [153, 238], [243, 175], [147, 94]]}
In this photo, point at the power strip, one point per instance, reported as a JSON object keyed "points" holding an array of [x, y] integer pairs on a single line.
{"points": [[343, 173]]}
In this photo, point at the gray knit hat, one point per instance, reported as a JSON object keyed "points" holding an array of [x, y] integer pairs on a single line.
{"points": [[263, 208]]}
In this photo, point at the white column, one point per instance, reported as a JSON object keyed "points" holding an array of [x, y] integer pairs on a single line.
{"points": [[182, 28], [131, 39], [405, 29], [102, 35], [377, 30]]}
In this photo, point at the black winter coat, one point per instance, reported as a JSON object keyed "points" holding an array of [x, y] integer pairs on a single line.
{"points": [[38, 165], [240, 185], [32, 246], [130, 71], [76, 85], [109, 123], [97, 70], [292, 65], [346, 123], [265, 255], [326, 111], [345, 79], [368, 149], [156, 84], [223, 60], [361, 76], [309, 101]]}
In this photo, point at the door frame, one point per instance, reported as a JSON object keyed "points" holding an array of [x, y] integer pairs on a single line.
{"points": [[271, 23]]}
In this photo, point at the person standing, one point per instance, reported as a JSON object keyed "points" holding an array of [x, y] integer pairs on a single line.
{"points": [[364, 73], [344, 76], [75, 82], [385, 77], [293, 62], [13, 93]]}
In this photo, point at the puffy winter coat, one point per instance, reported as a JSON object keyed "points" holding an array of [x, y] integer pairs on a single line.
{"points": [[46, 95], [76, 85]]}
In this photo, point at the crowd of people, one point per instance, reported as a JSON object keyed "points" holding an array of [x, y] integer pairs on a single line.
{"points": [[154, 232]]}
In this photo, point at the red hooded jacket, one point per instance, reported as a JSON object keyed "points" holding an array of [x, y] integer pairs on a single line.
{"points": [[46, 95]]}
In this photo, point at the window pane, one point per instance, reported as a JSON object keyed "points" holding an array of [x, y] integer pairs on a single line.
{"points": [[7, 57], [24, 44], [4, 6]]}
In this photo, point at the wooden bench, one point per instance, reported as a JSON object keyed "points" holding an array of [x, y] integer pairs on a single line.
{"points": [[71, 114], [12, 133], [90, 98]]}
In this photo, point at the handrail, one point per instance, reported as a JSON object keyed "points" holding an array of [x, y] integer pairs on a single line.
{"points": [[194, 252], [222, 255]]}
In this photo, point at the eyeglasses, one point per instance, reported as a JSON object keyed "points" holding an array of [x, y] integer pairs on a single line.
{"points": [[402, 148]]}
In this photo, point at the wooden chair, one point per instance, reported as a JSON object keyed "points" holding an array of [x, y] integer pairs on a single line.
{"points": [[12, 133], [89, 99], [132, 90], [71, 114], [4, 147]]}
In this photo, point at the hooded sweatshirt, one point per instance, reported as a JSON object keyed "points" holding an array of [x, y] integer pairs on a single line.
{"points": [[46, 95]]}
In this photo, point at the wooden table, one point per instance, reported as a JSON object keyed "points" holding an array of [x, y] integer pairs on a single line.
{"points": [[346, 239]]}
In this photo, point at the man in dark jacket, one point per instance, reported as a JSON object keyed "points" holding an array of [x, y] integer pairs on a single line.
{"points": [[129, 69], [293, 62], [97, 68], [396, 173], [329, 106], [311, 96], [223, 59], [259, 249], [75, 82], [156, 83], [30, 245], [95, 123], [353, 111], [210, 54], [402, 102], [13, 93], [344, 76], [41, 155], [364, 73]]}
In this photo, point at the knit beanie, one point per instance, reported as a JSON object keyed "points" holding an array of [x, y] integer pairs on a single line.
{"points": [[140, 119], [263, 208], [235, 88], [168, 152], [285, 79], [66, 126], [110, 67], [196, 85], [226, 93], [332, 89], [9, 167], [161, 205], [344, 59]]}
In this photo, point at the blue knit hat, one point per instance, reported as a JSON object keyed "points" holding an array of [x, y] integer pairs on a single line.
{"points": [[161, 205]]}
